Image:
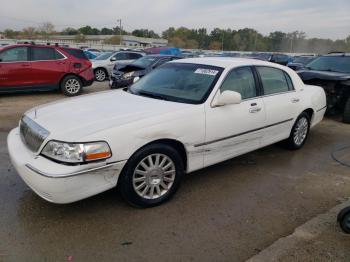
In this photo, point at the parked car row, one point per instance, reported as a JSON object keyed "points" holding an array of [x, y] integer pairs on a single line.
{"points": [[29, 67]]}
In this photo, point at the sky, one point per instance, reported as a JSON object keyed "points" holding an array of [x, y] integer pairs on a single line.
{"points": [[318, 18]]}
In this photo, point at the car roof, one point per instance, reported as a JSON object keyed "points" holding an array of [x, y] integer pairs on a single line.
{"points": [[225, 62], [160, 55], [41, 45], [337, 54]]}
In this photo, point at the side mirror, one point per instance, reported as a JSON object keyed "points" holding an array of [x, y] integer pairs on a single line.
{"points": [[113, 59], [137, 78], [227, 98]]}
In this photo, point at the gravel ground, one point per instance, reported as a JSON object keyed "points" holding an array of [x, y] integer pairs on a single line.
{"points": [[227, 212]]}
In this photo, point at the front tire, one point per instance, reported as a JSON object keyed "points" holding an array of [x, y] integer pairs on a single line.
{"points": [[300, 132], [346, 114], [151, 176], [71, 85], [344, 220], [100, 74]]}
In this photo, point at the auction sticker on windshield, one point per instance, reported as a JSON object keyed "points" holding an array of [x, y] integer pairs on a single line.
{"points": [[204, 71]]}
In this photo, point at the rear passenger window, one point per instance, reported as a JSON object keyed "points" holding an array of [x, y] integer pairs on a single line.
{"points": [[43, 53], [240, 80], [273, 80], [122, 56], [77, 53]]}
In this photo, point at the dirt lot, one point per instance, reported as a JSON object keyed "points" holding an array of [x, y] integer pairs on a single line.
{"points": [[228, 212]]}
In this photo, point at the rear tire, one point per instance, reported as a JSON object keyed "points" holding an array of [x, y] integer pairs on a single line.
{"points": [[346, 114], [146, 180], [300, 132], [71, 85]]}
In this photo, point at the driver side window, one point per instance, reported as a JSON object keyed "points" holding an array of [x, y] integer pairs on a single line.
{"points": [[240, 80]]}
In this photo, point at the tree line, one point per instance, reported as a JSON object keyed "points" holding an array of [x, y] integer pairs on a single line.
{"points": [[245, 39]]}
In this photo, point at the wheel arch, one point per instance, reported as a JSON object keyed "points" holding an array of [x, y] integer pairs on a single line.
{"points": [[310, 113], [69, 74], [103, 68], [176, 144]]}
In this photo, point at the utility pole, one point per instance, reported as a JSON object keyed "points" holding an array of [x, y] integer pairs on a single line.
{"points": [[222, 42], [120, 31]]}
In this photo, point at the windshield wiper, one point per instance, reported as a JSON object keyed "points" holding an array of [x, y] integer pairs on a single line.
{"points": [[151, 95]]}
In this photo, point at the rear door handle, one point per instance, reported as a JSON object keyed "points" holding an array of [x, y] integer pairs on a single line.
{"points": [[295, 100], [25, 65], [255, 110]]}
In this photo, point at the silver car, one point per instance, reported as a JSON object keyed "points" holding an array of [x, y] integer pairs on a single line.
{"points": [[103, 64]]}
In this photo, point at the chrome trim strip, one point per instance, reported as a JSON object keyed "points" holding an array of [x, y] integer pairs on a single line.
{"points": [[71, 174], [244, 133], [321, 109]]}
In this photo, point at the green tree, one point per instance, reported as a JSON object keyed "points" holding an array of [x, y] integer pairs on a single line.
{"points": [[69, 31], [29, 33], [11, 34], [114, 40], [106, 31], [144, 33], [88, 30]]}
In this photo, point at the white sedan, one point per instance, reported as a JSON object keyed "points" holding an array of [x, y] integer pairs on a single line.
{"points": [[184, 116]]}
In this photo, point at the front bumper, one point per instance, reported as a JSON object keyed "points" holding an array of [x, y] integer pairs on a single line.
{"points": [[59, 183], [119, 83]]}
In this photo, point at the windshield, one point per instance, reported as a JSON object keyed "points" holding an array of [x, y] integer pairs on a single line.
{"points": [[104, 56], [263, 56], [144, 62], [303, 59], [179, 82], [331, 63]]}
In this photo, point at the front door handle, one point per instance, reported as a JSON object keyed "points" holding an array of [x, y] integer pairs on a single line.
{"points": [[255, 110], [295, 100]]}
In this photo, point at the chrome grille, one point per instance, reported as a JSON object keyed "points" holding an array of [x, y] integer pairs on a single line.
{"points": [[32, 134]]}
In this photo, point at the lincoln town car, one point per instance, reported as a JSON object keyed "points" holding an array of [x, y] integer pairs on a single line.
{"points": [[185, 115]]}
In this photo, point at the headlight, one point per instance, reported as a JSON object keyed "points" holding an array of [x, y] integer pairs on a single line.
{"points": [[128, 75], [76, 152]]}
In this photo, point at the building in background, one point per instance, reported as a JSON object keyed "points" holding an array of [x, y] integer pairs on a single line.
{"points": [[98, 40]]}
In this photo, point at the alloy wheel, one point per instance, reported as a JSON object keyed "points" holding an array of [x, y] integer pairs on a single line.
{"points": [[100, 75], [300, 131], [154, 176], [72, 86]]}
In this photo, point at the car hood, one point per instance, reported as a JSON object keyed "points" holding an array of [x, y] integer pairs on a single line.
{"points": [[306, 75], [73, 118]]}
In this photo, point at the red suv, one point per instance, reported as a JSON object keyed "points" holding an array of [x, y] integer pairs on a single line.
{"points": [[29, 67]]}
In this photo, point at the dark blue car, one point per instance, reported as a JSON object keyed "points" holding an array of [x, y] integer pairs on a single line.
{"points": [[124, 76]]}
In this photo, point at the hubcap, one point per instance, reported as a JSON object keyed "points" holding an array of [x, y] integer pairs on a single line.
{"points": [[72, 86], [154, 176], [300, 131], [100, 75]]}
